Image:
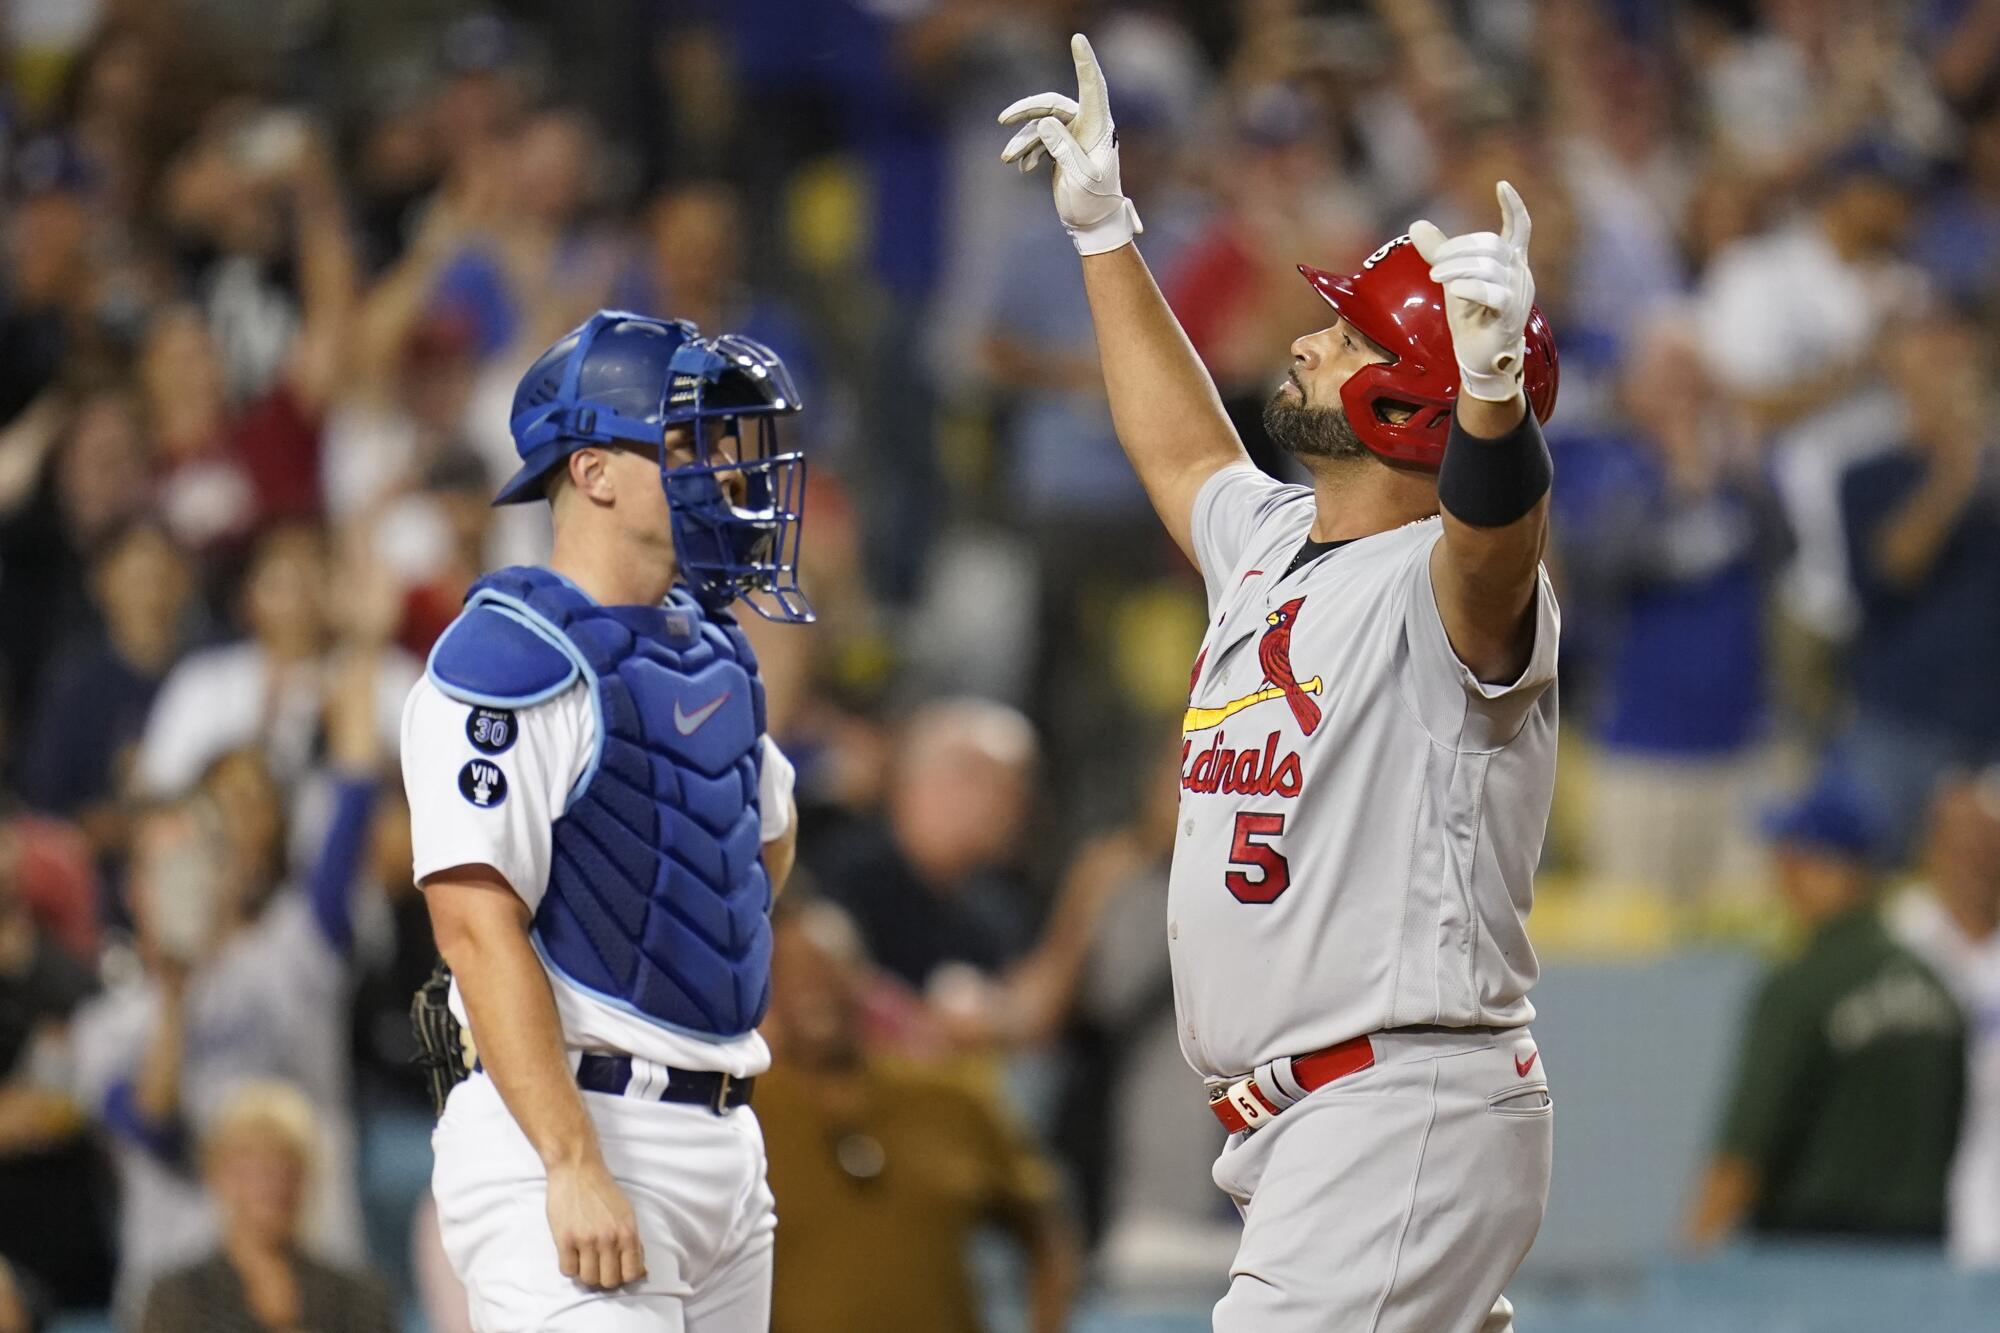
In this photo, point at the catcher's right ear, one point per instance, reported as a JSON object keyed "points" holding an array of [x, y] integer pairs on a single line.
{"points": [[589, 473]]}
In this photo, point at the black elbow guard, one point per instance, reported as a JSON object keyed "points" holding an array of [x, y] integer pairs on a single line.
{"points": [[1491, 483]]}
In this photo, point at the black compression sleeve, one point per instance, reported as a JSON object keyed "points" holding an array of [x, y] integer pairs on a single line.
{"points": [[1491, 483]]}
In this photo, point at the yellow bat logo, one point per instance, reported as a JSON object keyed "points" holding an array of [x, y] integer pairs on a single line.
{"points": [[1202, 719]]}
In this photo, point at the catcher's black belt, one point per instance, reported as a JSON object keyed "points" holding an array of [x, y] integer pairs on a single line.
{"points": [[696, 1087]]}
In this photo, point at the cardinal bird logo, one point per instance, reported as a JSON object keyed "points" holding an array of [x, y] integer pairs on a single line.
{"points": [[1274, 651], [1274, 654]]}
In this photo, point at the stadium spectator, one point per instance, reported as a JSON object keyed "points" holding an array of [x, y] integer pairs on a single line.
{"points": [[432, 544], [1669, 532], [1790, 322], [1844, 1111], [55, 1200], [258, 1162], [1629, 176], [1923, 535], [265, 690], [533, 188], [402, 413], [928, 884], [81, 734], [75, 474], [887, 1168], [234, 391], [243, 978], [1952, 921], [1097, 983], [1782, 93]]}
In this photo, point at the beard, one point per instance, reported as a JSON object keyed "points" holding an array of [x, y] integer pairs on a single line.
{"points": [[1308, 433]]}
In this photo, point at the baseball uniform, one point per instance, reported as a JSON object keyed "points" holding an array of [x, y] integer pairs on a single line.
{"points": [[488, 786], [1360, 823]]}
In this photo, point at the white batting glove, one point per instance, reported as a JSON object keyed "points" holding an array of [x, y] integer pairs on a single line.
{"points": [[1487, 293], [1079, 135]]}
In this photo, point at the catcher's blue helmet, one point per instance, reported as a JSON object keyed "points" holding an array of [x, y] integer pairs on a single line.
{"points": [[603, 382], [729, 550]]}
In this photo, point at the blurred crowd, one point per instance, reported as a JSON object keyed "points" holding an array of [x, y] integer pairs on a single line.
{"points": [[271, 273]]}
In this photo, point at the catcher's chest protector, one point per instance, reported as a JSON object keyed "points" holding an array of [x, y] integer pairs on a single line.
{"points": [[657, 900]]}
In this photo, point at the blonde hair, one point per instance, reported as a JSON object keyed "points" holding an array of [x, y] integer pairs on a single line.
{"points": [[270, 1107]]}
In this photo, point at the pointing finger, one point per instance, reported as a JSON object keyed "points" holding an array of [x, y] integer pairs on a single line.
{"points": [[1515, 227], [1094, 99]]}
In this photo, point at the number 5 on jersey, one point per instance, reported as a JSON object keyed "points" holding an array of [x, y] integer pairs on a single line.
{"points": [[1274, 873]]}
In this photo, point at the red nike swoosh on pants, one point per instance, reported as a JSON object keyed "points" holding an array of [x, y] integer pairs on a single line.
{"points": [[1522, 1067]]}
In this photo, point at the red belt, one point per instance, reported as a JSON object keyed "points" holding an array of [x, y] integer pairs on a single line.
{"points": [[1244, 1105]]}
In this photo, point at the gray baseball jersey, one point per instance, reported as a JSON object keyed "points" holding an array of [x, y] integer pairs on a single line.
{"points": [[1360, 817]]}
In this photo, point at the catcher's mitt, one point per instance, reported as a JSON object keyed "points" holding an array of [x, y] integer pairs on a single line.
{"points": [[441, 1041]]}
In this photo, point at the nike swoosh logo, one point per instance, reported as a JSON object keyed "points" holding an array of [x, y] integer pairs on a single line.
{"points": [[687, 724], [1522, 1067]]}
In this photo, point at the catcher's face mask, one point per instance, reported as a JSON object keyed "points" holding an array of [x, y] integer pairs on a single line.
{"points": [[730, 391]]}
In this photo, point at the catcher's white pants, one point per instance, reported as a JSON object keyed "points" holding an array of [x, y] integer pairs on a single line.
{"points": [[696, 1182], [1396, 1200]]}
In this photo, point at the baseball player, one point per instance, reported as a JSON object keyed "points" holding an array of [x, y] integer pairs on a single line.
{"points": [[599, 825], [1368, 756]]}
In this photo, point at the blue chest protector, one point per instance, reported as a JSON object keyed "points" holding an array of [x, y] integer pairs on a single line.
{"points": [[657, 899]]}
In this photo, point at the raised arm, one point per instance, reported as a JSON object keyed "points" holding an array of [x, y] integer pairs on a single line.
{"points": [[1493, 488], [1168, 415]]}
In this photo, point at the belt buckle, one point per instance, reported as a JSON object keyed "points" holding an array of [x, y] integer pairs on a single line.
{"points": [[722, 1086], [1247, 1103]]}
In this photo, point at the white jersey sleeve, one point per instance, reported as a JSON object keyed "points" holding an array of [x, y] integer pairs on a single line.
{"points": [[1229, 510], [774, 793], [492, 804], [1455, 706]]}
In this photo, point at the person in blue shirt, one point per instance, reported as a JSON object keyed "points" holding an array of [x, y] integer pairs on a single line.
{"points": [[1923, 542], [1669, 532]]}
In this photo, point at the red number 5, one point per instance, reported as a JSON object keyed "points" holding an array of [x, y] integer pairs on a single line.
{"points": [[1262, 856]]}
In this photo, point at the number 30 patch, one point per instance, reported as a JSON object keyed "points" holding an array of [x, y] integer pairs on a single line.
{"points": [[491, 730]]}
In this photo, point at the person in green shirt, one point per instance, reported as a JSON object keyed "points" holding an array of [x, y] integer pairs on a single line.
{"points": [[1845, 1109]]}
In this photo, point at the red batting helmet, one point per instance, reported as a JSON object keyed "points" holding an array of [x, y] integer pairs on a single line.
{"points": [[1393, 300]]}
